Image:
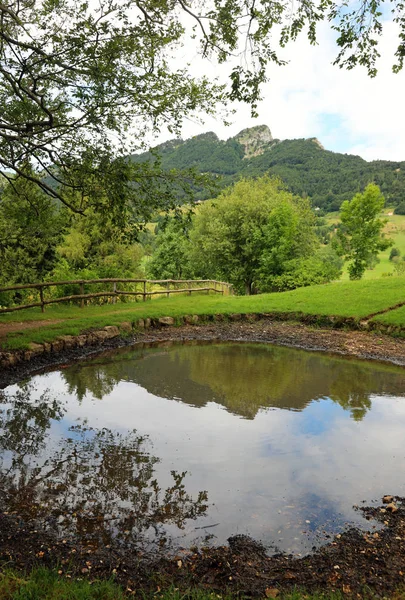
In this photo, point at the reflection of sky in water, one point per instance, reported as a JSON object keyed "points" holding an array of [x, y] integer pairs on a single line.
{"points": [[287, 477]]}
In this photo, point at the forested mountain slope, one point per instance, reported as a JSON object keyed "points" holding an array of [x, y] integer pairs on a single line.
{"points": [[304, 165]]}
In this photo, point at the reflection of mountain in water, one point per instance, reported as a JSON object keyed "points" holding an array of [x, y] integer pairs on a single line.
{"points": [[241, 377]]}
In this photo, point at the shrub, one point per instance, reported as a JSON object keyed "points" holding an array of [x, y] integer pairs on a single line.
{"points": [[394, 253]]}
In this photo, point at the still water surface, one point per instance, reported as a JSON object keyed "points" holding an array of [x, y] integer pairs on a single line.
{"points": [[191, 443]]}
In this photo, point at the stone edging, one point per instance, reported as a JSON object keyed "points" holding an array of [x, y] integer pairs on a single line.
{"points": [[9, 359], [98, 337]]}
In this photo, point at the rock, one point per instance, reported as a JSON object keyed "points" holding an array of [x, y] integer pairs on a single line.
{"points": [[47, 347], [57, 345], [255, 140], [13, 358], [69, 341], [81, 340], [272, 592], [36, 349], [166, 321], [235, 317], [148, 323], [140, 323], [191, 319], [112, 331], [387, 499], [10, 359], [126, 327], [97, 337], [251, 317], [392, 507], [218, 317]]}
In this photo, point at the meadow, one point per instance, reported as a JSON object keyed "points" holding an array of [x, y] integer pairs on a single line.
{"points": [[345, 299]]}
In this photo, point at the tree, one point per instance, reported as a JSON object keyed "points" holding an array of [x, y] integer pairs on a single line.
{"points": [[31, 227], [170, 259], [91, 475], [96, 243], [82, 83], [360, 238], [250, 233]]}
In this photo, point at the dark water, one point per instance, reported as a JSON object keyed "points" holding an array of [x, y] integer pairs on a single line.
{"points": [[183, 444]]}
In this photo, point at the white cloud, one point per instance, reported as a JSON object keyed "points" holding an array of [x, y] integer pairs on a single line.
{"points": [[346, 110]]}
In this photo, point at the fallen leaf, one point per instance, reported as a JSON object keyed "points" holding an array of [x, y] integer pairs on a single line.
{"points": [[272, 592]]}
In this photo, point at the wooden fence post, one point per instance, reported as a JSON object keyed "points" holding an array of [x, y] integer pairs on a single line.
{"points": [[115, 292], [144, 290], [82, 293], [41, 295], [168, 288]]}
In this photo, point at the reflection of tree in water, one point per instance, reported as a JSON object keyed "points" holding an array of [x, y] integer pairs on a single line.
{"points": [[97, 484], [98, 380], [247, 377], [241, 377]]}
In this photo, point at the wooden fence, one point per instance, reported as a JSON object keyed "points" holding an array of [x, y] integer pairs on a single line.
{"points": [[167, 287]]}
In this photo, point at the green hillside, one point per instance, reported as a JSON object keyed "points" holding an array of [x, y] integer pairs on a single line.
{"points": [[304, 165]]}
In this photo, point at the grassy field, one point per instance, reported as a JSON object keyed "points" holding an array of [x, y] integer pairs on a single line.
{"points": [[357, 299]]}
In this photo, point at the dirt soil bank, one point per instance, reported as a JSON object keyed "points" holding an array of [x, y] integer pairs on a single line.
{"points": [[366, 345]]}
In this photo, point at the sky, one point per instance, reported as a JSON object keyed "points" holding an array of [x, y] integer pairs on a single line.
{"points": [[346, 110]]}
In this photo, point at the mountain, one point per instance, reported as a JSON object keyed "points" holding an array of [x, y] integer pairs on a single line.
{"points": [[326, 177]]}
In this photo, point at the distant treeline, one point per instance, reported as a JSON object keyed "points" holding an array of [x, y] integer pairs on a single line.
{"points": [[326, 178]]}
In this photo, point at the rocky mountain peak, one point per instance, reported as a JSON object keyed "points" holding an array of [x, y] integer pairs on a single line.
{"points": [[254, 139], [317, 142]]}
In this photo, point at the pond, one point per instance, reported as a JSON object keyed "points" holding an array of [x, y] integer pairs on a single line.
{"points": [[187, 444]]}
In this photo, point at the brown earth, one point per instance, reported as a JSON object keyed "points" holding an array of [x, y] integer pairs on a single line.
{"points": [[6, 328], [355, 563]]}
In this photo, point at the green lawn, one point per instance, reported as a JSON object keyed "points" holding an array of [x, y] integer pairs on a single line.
{"points": [[356, 299], [394, 317]]}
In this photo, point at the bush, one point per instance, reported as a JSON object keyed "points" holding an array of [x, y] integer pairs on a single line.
{"points": [[394, 253], [400, 267]]}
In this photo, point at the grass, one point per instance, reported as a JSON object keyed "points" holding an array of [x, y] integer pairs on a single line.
{"points": [[395, 317], [356, 299], [46, 584]]}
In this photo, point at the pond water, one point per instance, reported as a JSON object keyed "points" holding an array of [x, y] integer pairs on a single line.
{"points": [[182, 444]]}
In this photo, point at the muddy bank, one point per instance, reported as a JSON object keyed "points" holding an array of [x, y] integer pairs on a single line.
{"points": [[360, 344], [353, 563]]}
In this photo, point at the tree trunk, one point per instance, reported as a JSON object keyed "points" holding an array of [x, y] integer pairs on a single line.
{"points": [[248, 288]]}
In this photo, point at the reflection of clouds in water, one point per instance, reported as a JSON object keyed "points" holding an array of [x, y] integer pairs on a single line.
{"points": [[318, 460], [253, 469]]}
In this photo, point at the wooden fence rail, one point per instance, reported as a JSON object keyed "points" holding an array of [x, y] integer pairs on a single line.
{"points": [[209, 285]]}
